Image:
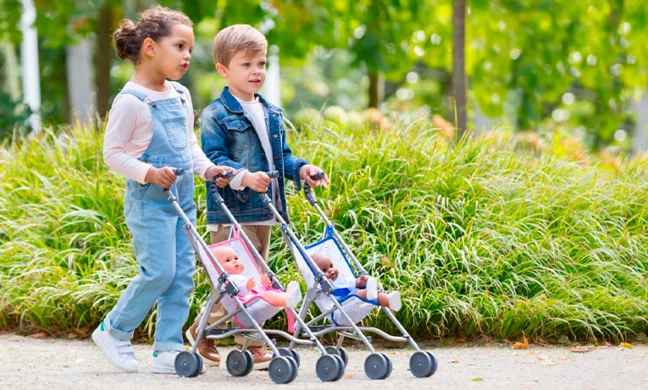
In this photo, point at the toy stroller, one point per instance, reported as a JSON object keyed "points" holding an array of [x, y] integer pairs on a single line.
{"points": [[247, 315], [343, 315]]}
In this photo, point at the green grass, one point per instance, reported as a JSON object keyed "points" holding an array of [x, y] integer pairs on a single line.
{"points": [[481, 239]]}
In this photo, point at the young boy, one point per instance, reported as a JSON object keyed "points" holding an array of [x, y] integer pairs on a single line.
{"points": [[242, 130]]}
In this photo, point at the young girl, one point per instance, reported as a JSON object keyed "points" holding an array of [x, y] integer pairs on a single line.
{"points": [[149, 134]]}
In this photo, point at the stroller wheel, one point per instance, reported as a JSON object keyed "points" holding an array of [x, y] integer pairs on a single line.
{"points": [[341, 352], [376, 366], [389, 365], [435, 364], [342, 367], [295, 367], [328, 368], [282, 370], [290, 353], [238, 363], [188, 364], [250, 362], [421, 364]]}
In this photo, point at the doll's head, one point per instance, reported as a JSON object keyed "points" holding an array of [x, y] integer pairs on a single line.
{"points": [[326, 265], [228, 259]]}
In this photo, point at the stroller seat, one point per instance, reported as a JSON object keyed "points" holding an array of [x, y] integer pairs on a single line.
{"points": [[356, 307], [259, 309]]}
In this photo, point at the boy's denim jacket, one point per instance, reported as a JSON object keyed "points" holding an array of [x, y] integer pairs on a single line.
{"points": [[229, 138]]}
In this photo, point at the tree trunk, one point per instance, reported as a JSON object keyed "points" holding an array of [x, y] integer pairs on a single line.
{"points": [[639, 141], [459, 63], [103, 59], [376, 89], [79, 80]]}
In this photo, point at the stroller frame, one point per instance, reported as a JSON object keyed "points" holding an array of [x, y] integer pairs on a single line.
{"points": [[285, 363], [377, 365]]}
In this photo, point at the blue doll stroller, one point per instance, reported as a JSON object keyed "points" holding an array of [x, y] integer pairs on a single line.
{"points": [[247, 313], [342, 314]]}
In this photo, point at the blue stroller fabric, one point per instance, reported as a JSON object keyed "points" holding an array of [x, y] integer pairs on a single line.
{"points": [[356, 307]]}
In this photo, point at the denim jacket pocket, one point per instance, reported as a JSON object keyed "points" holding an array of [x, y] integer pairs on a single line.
{"points": [[176, 129], [239, 132]]}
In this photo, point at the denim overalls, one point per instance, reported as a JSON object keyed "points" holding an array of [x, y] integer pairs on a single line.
{"points": [[165, 255]]}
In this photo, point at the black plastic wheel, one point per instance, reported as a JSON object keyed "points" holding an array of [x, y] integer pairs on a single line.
{"points": [[421, 364], [290, 353], [328, 368], [200, 364], [281, 370], [435, 363], [342, 367], [295, 367], [237, 363], [376, 366], [389, 366], [250, 362], [341, 352], [344, 354], [186, 364]]}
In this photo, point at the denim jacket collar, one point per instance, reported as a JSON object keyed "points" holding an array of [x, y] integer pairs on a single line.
{"points": [[233, 105]]}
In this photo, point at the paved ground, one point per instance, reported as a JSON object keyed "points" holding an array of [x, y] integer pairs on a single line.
{"points": [[46, 363]]}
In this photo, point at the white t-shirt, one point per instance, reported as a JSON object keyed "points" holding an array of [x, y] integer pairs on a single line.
{"points": [[130, 129]]}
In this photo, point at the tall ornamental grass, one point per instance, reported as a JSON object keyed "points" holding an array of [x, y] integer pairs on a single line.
{"points": [[481, 238]]}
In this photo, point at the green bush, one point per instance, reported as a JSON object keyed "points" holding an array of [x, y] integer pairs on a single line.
{"points": [[481, 239]]}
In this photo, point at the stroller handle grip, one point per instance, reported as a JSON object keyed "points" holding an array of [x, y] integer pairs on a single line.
{"points": [[177, 172]]}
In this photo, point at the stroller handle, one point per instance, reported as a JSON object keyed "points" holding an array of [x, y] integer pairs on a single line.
{"points": [[177, 172], [307, 189]]}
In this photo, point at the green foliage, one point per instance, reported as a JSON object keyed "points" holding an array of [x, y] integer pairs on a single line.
{"points": [[479, 239]]}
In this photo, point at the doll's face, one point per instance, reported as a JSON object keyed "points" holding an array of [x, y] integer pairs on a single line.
{"points": [[228, 259], [327, 266]]}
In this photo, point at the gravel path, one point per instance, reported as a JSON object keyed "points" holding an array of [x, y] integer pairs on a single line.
{"points": [[46, 363]]}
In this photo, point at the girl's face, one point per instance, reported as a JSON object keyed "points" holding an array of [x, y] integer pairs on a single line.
{"points": [[171, 54], [245, 74]]}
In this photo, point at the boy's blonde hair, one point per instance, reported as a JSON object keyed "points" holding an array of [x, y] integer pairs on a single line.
{"points": [[235, 38]]}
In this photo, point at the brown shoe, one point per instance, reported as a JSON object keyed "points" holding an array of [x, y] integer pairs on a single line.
{"points": [[261, 357], [206, 348]]}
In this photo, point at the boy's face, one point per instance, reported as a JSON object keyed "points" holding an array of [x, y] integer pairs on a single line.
{"points": [[228, 259], [245, 74], [326, 265], [173, 52]]}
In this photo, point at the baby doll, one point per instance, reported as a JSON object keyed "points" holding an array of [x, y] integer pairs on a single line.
{"points": [[229, 260], [364, 287]]}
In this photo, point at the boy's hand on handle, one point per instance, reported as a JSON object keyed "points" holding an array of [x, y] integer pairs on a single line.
{"points": [[164, 177], [214, 170], [308, 170], [250, 284], [361, 282], [258, 181], [265, 280]]}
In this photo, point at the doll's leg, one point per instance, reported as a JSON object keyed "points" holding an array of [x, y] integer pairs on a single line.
{"points": [[290, 298], [391, 300]]}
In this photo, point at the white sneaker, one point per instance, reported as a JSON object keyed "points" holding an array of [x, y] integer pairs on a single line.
{"points": [[293, 295], [372, 289], [394, 300], [118, 352], [164, 362]]}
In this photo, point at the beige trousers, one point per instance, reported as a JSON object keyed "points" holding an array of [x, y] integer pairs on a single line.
{"points": [[259, 235]]}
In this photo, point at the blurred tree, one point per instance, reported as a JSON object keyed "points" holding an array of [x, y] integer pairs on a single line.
{"points": [[459, 64]]}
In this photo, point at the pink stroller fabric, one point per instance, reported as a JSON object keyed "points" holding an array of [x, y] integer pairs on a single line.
{"points": [[259, 309]]}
